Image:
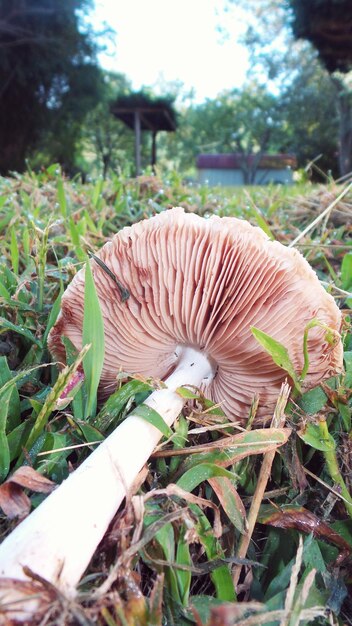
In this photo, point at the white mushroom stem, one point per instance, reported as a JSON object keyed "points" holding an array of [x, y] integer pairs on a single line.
{"points": [[59, 538]]}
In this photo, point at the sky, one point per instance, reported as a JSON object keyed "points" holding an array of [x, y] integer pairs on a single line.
{"points": [[160, 41]]}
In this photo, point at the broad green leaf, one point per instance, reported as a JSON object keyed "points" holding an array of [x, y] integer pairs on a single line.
{"points": [[198, 474], [313, 401], [277, 351], [151, 416], [312, 436], [93, 335], [116, 403]]}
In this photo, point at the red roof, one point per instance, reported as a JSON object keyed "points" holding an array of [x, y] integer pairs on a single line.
{"points": [[234, 160]]}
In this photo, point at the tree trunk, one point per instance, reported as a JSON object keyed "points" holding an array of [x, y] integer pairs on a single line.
{"points": [[344, 109]]}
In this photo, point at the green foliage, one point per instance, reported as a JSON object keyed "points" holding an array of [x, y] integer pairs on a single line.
{"points": [[49, 79]]}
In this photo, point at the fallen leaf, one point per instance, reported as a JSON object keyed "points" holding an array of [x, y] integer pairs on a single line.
{"points": [[306, 522], [13, 500]]}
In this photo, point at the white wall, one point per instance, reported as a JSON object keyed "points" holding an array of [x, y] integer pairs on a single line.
{"points": [[229, 178]]}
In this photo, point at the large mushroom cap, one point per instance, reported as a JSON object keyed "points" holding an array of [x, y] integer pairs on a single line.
{"points": [[203, 283]]}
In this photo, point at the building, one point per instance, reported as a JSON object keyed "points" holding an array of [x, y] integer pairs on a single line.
{"points": [[237, 169]]}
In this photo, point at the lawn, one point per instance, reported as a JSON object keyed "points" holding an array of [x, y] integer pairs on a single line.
{"points": [[228, 546]]}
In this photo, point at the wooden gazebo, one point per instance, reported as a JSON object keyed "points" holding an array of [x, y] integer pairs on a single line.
{"points": [[140, 112]]}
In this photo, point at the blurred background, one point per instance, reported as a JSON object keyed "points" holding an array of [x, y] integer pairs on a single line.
{"points": [[223, 91]]}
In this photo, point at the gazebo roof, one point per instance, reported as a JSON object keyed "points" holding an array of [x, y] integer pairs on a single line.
{"points": [[154, 115]]}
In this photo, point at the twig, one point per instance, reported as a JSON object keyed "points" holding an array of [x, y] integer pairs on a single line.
{"points": [[328, 487], [277, 422], [293, 584], [321, 216]]}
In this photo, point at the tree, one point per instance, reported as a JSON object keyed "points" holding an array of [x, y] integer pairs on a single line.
{"points": [[49, 79], [289, 66], [310, 119], [256, 128], [327, 25], [105, 137]]}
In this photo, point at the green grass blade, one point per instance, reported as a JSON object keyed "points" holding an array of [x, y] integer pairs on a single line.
{"points": [[151, 416], [4, 446], [21, 330], [50, 403], [198, 474], [54, 312], [14, 251], [61, 196], [184, 577], [93, 335], [221, 576], [278, 353], [116, 403], [14, 415]]}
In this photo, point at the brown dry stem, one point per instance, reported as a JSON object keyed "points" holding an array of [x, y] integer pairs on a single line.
{"points": [[264, 475]]}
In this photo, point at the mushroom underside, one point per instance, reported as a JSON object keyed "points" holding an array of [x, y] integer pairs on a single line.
{"points": [[205, 283]]}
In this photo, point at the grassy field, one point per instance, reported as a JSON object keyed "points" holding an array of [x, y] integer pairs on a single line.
{"points": [[185, 564]]}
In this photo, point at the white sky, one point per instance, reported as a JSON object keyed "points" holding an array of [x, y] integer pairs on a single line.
{"points": [[160, 41]]}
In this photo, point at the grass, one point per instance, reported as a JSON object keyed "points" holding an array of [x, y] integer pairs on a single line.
{"points": [[182, 551]]}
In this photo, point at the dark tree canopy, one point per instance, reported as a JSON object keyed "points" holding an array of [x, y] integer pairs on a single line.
{"points": [[48, 79], [327, 24]]}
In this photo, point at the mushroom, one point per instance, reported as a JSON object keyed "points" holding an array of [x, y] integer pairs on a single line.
{"points": [[195, 288]]}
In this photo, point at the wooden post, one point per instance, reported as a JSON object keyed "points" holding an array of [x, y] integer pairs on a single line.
{"points": [[137, 139], [154, 133]]}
